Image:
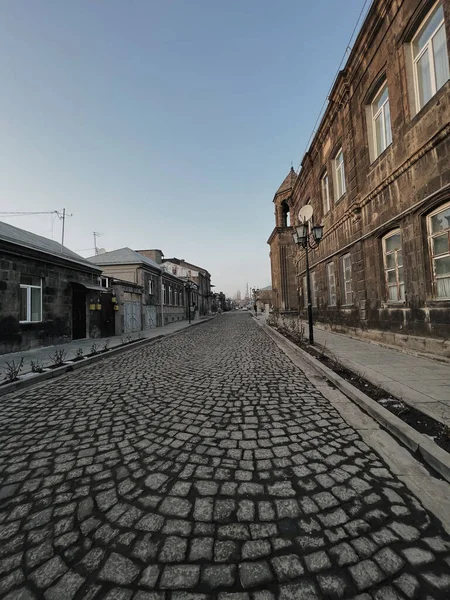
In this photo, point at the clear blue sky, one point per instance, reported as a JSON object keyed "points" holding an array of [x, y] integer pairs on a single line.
{"points": [[163, 124]]}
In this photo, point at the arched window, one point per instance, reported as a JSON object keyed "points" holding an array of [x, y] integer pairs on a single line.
{"points": [[379, 121], [285, 213], [393, 266], [439, 241], [427, 58]]}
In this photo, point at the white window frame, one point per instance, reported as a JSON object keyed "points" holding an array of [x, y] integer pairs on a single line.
{"points": [[347, 288], [434, 257], [313, 288], [381, 112], [428, 47], [396, 268], [29, 287], [339, 166], [331, 280], [325, 188], [151, 287]]}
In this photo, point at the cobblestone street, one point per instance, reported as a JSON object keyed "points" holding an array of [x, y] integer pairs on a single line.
{"points": [[203, 466]]}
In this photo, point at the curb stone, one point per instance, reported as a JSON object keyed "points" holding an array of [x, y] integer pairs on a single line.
{"points": [[434, 456], [37, 378]]}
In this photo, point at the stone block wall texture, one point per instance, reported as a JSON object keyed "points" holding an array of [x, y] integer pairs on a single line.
{"points": [[56, 324], [397, 190]]}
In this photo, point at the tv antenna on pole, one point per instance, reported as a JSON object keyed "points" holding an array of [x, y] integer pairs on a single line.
{"points": [[60, 213], [96, 235]]}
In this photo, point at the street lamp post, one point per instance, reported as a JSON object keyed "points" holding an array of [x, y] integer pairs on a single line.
{"points": [[308, 236], [189, 287]]}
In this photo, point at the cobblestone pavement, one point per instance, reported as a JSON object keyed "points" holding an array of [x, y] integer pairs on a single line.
{"points": [[204, 466]]}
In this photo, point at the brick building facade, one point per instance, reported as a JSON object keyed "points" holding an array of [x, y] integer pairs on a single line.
{"points": [[377, 175]]}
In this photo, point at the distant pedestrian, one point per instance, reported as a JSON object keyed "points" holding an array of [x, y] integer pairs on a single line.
{"points": [[255, 308]]}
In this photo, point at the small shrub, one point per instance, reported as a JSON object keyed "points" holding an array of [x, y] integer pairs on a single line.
{"points": [[12, 370], [106, 346], [58, 357], [94, 348], [37, 366], [79, 353], [129, 338]]}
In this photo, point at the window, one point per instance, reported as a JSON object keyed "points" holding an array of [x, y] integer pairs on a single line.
{"points": [[439, 232], [30, 299], [325, 187], [285, 215], [430, 58], [381, 121], [174, 270], [393, 266], [166, 294], [170, 294], [331, 284], [151, 287], [339, 175], [347, 279], [313, 289]]}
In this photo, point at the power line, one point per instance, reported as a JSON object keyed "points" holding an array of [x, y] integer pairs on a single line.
{"points": [[61, 214], [348, 48], [21, 214]]}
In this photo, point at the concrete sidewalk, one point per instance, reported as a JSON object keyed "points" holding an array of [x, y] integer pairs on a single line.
{"points": [[420, 382], [43, 354]]}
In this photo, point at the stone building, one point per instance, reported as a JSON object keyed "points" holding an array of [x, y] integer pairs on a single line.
{"points": [[188, 272], [46, 291], [284, 286], [377, 175], [160, 299]]}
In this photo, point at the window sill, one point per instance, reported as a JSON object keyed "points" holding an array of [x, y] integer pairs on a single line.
{"points": [[393, 303], [30, 322], [436, 98], [340, 198], [377, 159]]}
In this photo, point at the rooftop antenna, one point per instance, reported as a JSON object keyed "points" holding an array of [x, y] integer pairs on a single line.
{"points": [[96, 235]]}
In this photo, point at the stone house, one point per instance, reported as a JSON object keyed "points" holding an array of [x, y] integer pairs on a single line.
{"points": [[377, 175], [46, 291], [188, 272], [159, 299]]}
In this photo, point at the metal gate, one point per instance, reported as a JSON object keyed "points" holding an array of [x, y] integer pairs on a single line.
{"points": [[149, 317], [131, 317]]}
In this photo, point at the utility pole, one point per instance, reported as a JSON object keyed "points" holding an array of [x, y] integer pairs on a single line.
{"points": [[63, 216], [63, 225]]}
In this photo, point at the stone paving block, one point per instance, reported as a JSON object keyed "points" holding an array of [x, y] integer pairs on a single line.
{"points": [[46, 574], [366, 574], [66, 587], [255, 574], [180, 577], [219, 576], [215, 472], [287, 566], [119, 569]]}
